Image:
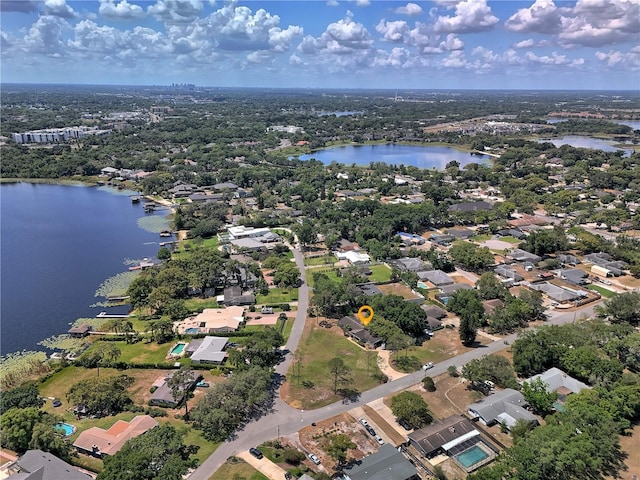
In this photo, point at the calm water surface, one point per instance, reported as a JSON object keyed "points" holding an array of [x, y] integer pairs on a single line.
{"points": [[587, 142], [59, 243], [393, 154]]}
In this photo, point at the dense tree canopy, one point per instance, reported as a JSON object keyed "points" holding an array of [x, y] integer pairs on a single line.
{"points": [[410, 407]]}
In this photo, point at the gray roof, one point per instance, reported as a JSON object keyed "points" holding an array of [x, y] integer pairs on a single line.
{"points": [[433, 311], [470, 206], [357, 331], [438, 277], [507, 272], [210, 350], [225, 186], [554, 292], [574, 275], [556, 379], [454, 288], [520, 255], [430, 439], [39, 465], [460, 232], [409, 264], [250, 243], [369, 289], [386, 464], [505, 406]]}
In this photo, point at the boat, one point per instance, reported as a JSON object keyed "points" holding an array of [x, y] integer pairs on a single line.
{"points": [[135, 199], [165, 233]]}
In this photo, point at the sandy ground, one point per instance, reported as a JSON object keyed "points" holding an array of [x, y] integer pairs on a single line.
{"points": [[264, 466], [385, 367]]}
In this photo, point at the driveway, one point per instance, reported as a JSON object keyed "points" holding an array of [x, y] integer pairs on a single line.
{"points": [[264, 466]]}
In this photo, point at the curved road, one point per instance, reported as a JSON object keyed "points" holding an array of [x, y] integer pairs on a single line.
{"points": [[285, 420]]}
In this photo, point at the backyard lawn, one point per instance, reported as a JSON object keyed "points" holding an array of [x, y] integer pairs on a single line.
{"points": [[605, 292], [317, 348], [278, 295], [322, 260], [199, 304], [380, 273]]}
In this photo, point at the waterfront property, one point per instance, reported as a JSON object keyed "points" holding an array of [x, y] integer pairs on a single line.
{"points": [[98, 442], [212, 320]]}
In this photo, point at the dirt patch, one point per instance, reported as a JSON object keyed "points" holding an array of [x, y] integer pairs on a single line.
{"points": [[631, 446], [315, 438], [398, 289]]}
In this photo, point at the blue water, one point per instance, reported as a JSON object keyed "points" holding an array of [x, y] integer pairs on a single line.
{"points": [[66, 428], [418, 156], [178, 348], [586, 142], [59, 243], [635, 124], [472, 456]]}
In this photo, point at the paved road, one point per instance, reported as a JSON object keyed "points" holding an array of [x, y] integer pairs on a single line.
{"points": [[285, 420]]}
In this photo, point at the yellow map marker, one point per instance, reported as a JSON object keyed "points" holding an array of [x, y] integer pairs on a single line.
{"points": [[365, 319]]}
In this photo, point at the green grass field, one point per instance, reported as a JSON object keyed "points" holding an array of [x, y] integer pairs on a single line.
{"points": [[323, 260], [601, 290], [380, 273], [278, 295], [315, 352], [199, 304], [328, 271], [236, 468]]}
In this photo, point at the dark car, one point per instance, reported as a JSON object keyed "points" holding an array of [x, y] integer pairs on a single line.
{"points": [[56, 402], [256, 453], [371, 431]]}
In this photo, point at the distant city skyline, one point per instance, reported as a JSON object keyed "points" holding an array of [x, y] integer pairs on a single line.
{"points": [[440, 44]]}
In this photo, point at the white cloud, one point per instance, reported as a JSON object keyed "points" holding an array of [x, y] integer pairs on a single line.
{"points": [[176, 11], [396, 58], [542, 17], [409, 9], [261, 57], [470, 16], [122, 10], [616, 58], [332, 3], [45, 36], [591, 23], [528, 43], [456, 60], [361, 3], [396, 31], [58, 8]]}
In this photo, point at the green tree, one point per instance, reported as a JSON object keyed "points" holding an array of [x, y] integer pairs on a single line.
{"points": [[624, 308], [428, 384], [495, 368], [102, 354], [159, 454], [489, 287], [338, 447], [411, 408], [180, 384], [102, 396], [22, 396], [471, 257], [339, 372], [16, 427], [536, 393], [163, 254], [287, 274], [45, 437]]}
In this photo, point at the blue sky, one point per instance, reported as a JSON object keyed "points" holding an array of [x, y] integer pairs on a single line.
{"points": [[441, 44]]}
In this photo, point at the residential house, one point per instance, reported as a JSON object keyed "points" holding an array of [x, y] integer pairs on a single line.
{"points": [[442, 435], [561, 383], [574, 275], [436, 277], [433, 311], [508, 273], [225, 186], [163, 396], [39, 465], [466, 207], [242, 231], [410, 238], [567, 259], [461, 233], [386, 464], [353, 257], [235, 296], [511, 232], [99, 442], [442, 239], [207, 350], [409, 264], [490, 305], [605, 260], [556, 293], [507, 406], [521, 256], [212, 320], [359, 333], [247, 245], [369, 289]]}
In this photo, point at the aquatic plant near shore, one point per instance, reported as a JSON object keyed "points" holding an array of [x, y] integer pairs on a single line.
{"points": [[154, 223], [17, 368], [96, 323], [65, 342], [117, 285]]}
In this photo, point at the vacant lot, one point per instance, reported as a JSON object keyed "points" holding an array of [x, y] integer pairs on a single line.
{"points": [[398, 289], [316, 438], [278, 295], [309, 382]]}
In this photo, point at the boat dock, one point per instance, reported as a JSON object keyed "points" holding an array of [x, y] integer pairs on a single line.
{"points": [[112, 315]]}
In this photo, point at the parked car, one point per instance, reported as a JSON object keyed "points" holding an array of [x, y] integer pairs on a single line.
{"points": [[404, 424], [379, 440], [56, 402], [427, 366], [363, 422], [371, 431], [256, 453], [202, 384], [314, 458]]}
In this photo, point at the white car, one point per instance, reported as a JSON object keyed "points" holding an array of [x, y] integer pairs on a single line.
{"points": [[379, 440], [427, 366], [363, 422], [314, 458]]}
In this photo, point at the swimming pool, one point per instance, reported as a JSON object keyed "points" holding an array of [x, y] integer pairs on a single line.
{"points": [[66, 428], [178, 349], [192, 330], [470, 457]]}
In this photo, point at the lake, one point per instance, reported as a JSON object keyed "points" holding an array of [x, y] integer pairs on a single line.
{"points": [[429, 156], [635, 124], [586, 142], [59, 243]]}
